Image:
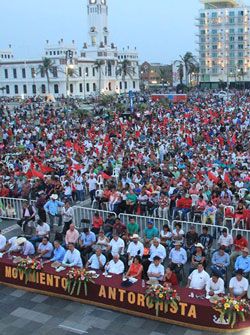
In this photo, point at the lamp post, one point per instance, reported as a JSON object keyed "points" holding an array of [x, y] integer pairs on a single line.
{"points": [[69, 64], [84, 84]]}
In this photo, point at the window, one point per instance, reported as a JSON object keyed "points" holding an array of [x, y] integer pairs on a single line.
{"points": [[240, 46], [33, 72], [93, 72], [240, 38], [80, 88], [87, 87], [86, 71], [214, 47], [231, 54], [231, 20], [80, 71], [23, 73], [231, 39], [231, 46], [214, 14], [7, 89], [33, 89], [125, 85], [214, 71], [71, 88], [42, 72], [56, 89], [202, 15], [24, 89], [231, 30], [240, 54], [110, 87], [94, 87], [241, 13], [14, 73], [16, 89], [214, 55], [240, 62], [109, 69], [54, 72], [6, 74], [43, 87], [203, 32], [105, 40], [120, 85], [231, 14], [134, 85], [240, 30]]}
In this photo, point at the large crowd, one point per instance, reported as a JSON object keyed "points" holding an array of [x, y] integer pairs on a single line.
{"points": [[186, 161]]}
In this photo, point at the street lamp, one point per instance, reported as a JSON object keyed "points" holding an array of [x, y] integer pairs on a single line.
{"points": [[84, 84]]}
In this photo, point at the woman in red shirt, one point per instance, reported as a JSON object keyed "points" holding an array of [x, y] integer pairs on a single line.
{"points": [[170, 277], [97, 223], [135, 269]]}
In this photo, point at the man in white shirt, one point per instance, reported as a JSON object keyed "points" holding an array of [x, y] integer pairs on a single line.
{"points": [[135, 248], [42, 230], [116, 245], [198, 279], [79, 186], [215, 285], [238, 285], [26, 247], [156, 269], [92, 182], [2, 242], [72, 257], [11, 245], [226, 240], [115, 266], [157, 249], [97, 261]]}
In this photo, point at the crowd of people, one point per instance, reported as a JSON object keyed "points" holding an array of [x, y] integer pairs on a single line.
{"points": [[185, 161]]}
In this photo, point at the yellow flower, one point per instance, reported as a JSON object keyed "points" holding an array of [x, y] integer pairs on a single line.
{"points": [[160, 295], [226, 305], [237, 307]]}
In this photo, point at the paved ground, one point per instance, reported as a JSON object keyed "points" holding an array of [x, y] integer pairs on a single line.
{"points": [[25, 313]]}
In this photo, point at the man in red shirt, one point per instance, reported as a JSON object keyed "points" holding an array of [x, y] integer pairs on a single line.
{"points": [[240, 242]]}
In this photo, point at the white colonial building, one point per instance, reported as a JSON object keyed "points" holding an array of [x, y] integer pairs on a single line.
{"points": [[98, 68]]}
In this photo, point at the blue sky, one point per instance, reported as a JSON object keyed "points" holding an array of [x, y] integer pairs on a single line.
{"points": [[161, 29]]}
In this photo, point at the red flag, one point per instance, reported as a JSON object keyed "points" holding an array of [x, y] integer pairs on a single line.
{"points": [[226, 178], [45, 169], [189, 141], [212, 177], [105, 176], [37, 174], [29, 174], [68, 144]]}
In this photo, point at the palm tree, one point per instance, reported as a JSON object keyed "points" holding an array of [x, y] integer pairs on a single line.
{"points": [[125, 69], [180, 70], [47, 68], [98, 66], [188, 61]]}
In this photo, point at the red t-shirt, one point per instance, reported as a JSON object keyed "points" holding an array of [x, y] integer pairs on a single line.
{"points": [[240, 244]]}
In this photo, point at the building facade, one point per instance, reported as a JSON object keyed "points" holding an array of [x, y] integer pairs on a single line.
{"points": [[98, 68], [224, 43], [155, 75]]}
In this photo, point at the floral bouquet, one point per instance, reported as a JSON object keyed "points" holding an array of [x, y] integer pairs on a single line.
{"points": [[158, 294], [77, 277], [29, 266], [233, 308]]}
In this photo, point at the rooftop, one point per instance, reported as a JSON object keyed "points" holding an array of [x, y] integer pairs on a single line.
{"points": [[220, 3]]}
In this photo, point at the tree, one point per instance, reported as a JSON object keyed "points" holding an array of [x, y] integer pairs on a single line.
{"points": [[98, 66], [125, 69], [187, 62], [46, 68], [180, 70]]}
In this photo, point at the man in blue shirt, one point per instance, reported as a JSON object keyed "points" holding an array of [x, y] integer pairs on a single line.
{"points": [[52, 208], [59, 252], [150, 231], [243, 262], [220, 262], [45, 248], [86, 240], [97, 261], [72, 257]]}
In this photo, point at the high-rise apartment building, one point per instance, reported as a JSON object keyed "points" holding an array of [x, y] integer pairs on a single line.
{"points": [[224, 43]]}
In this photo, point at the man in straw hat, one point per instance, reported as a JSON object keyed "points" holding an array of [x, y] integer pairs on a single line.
{"points": [[243, 262], [27, 248], [52, 207]]}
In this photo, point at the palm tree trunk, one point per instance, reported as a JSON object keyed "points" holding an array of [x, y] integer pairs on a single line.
{"points": [[100, 81], [48, 82]]}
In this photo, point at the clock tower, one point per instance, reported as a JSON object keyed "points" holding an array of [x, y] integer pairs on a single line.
{"points": [[98, 22]]}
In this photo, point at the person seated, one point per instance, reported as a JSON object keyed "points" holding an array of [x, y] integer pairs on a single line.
{"points": [[58, 252], [226, 240], [199, 206], [142, 200], [239, 213], [97, 260], [2, 242], [72, 235], [131, 202], [135, 269], [86, 240], [72, 257], [166, 236], [178, 234], [215, 285], [209, 213], [102, 242], [150, 231], [240, 242], [191, 239], [170, 277], [115, 266], [28, 215], [45, 248], [97, 223], [11, 245], [156, 269], [238, 285], [157, 249], [42, 230], [198, 257], [178, 257], [220, 261], [108, 225], [163, 206], [198, 279], [119, 228], [243, 262], [26, 247], [135, 248], [116, 245], [183, 204], [206, 239]]}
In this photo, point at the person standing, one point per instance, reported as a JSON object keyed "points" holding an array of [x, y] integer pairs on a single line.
{"points": [[52, 207], [92, 182], [79, 185], [67, 215]]}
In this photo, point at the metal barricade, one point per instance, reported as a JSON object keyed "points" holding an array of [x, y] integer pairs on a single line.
{"points": [[213, 230], [11, 208], [83, 216], [143, 220], [243, 232]]}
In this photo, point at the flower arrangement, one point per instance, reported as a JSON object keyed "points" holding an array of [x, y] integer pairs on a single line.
{"points": [[158, 294], [77, 277], [232, 308], [29, 266]]}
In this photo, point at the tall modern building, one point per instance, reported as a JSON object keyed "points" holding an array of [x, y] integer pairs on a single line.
{"points": [[99, 67], [224, 43]]}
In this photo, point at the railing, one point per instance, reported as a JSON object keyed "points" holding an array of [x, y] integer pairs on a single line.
{"points": [[87, 214], [143, 220], [212, 229], [11, 208]]}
